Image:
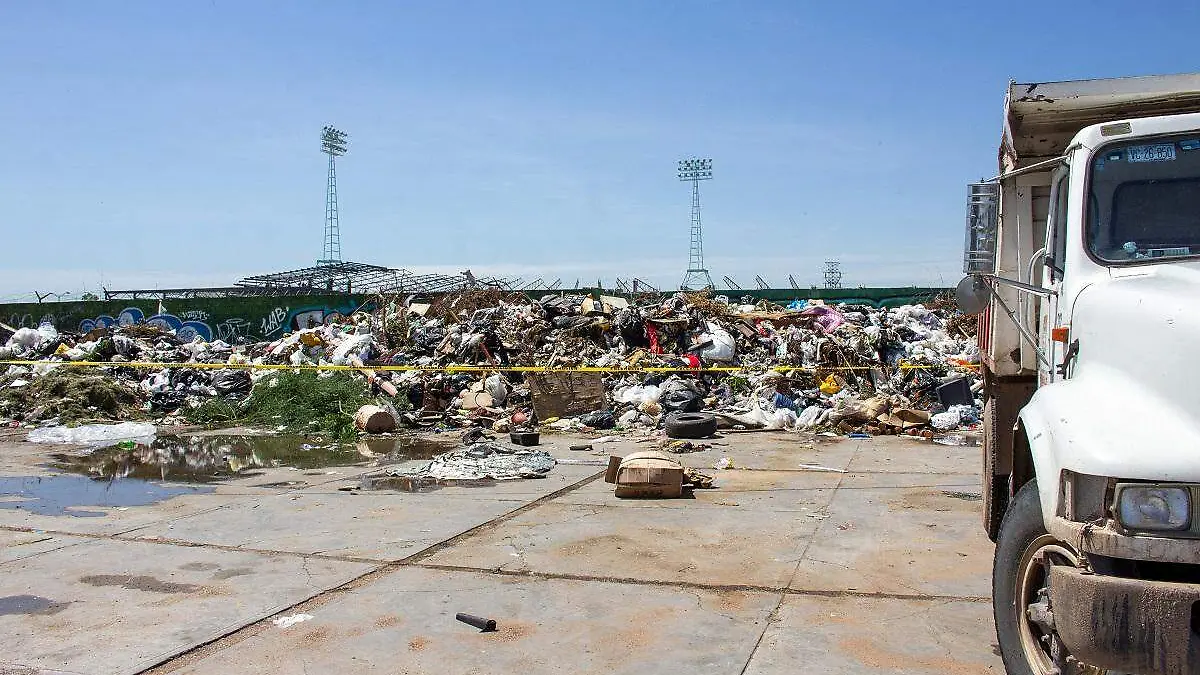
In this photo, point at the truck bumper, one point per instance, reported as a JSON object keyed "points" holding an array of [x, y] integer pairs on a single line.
{"points": [[1125, 624]]}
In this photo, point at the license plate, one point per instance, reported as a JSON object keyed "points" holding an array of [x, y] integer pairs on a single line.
{"points": [[1164, 152]]}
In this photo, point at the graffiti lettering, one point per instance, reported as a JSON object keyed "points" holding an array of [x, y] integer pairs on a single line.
{"points": [[184, 330], [231, 329], [193, 315], [274, 321]]}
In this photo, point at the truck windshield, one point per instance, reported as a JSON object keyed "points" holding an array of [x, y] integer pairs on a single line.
{"points": [[1144, 200]]}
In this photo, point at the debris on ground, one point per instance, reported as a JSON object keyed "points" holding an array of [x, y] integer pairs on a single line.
{"points": [[95, 434], [461, 360], [481, 461]]}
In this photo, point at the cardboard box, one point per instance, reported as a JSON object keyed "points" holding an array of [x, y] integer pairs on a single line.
{"points": [[559, 394], [647, 474]]}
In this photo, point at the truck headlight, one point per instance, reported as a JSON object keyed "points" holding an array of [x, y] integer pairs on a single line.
{"points": [[1154, 507]]}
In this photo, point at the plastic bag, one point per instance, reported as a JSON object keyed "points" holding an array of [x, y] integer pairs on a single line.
{"points": [[830, 386], [722, 347], [355, 345], [93, 434], [599, 419], [808, 418], [497, 387], [782, 418]]}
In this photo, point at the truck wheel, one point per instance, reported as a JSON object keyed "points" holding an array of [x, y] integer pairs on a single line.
{"points": [[1021, 591]]}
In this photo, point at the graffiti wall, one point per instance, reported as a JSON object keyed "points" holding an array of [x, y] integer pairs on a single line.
{"points": [[269, 318], [209, 318]]}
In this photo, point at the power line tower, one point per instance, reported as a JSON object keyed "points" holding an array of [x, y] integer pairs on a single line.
{"points": [[696, 277], [833, 274], [333, 143]]}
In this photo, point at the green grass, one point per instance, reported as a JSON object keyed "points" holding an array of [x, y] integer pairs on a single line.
{"points": [[214, 410], [305, 403]]}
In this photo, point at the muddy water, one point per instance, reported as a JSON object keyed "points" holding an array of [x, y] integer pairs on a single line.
{"points": [[203, 459]]}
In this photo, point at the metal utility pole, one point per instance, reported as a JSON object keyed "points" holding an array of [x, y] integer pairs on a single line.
{"points": [[833, 274], [333, 143], [696, 277]]}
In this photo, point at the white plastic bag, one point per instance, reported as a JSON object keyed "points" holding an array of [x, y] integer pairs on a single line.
{"points": [[94, 434], [722, 348], [497, 387]]}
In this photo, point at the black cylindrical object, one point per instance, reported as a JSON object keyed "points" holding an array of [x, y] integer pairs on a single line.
{"points": [[477, 621]]}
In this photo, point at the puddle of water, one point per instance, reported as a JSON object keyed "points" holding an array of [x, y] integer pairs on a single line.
{"points": [[30, 604], [203, 459], [390, 449], [64, 495]]}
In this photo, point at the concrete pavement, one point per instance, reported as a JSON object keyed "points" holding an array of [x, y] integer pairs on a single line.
{"points": [[780, 569]]}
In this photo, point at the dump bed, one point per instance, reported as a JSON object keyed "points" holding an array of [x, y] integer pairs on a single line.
{"points": [[1040, 119]]}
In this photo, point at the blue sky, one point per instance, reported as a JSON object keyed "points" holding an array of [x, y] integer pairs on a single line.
{"points": [[167, 144]]}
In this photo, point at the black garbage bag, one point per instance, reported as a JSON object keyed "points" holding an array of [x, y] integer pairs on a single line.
{"points": [[428, 339], [555, 305], [682, 400], [232, 383], [167, 401], [599, 419], [567, 322], [682, 395]]}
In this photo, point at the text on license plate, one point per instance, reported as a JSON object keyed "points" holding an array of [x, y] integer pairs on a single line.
{"points": [[1163, 152]]}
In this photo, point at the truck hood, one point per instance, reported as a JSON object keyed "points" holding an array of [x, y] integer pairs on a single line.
{"points": [[1131, 408]]}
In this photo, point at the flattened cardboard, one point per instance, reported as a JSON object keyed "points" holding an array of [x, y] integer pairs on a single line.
{"points": [[565, 394]]}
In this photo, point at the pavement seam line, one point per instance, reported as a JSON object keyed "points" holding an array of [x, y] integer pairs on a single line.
{"points": [[222, 642], [700, 586], [783, 594]]}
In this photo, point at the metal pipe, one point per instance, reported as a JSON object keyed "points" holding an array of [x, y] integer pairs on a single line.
{"points": [[1028, 169]]}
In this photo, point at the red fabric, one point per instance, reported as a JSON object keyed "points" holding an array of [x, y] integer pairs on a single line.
{"points": [[652, 334], [693, 360]]}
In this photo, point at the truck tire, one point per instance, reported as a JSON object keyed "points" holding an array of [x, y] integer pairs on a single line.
{"points": [[1024, 552], [690, 425]]}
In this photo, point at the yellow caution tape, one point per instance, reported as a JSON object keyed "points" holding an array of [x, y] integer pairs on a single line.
{"points": [[467, 369]]}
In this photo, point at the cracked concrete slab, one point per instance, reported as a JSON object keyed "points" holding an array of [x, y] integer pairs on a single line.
{"points": [[858, 636], [121, 606], [404, 623]]}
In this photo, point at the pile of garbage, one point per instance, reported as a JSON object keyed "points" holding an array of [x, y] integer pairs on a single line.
{"points": [[806, 366]]}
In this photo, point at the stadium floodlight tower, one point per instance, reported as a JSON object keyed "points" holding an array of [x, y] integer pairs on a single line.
{"points": [[333, 143], [696, 277]]}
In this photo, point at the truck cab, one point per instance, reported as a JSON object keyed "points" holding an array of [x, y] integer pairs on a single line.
{"points": [[1083, 257]]}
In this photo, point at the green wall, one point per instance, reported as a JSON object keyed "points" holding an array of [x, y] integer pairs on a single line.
{"points": [[270, 318], [211, 318]]}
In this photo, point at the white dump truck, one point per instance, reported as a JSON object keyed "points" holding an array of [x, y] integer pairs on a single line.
{"points": [[1083, 262]]}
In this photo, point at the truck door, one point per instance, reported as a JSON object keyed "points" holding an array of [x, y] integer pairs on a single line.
{"points": [[1050, 315]]}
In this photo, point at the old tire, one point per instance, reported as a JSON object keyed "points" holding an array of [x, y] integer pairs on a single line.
{"points": [[1024, 553], [690, 425]]}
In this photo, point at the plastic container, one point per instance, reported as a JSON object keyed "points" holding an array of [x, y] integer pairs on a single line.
{"points": [[525, 437]]}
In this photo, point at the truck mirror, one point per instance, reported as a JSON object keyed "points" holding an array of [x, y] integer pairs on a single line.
{"points": [[972, 294], [979, 251]]}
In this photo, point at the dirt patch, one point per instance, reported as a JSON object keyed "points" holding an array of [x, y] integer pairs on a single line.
{"points": [[138, 583], [419, 643], [511, 631], [316, 637], [388, 621], [200, 567], [925, 499], [873, 655]]}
